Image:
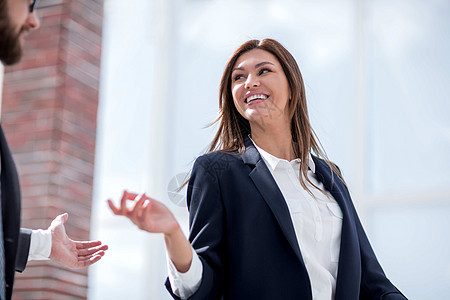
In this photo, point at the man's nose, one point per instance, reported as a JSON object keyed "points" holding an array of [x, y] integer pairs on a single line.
{"points": [[33, 21]]}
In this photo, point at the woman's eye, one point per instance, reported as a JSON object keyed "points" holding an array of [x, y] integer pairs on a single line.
{"points": [[264, 71], [238, 77]]}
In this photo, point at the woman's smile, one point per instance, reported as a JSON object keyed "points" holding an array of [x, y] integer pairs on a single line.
{"points": [[252, 98]]}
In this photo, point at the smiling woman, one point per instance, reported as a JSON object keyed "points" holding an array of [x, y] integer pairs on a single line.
{"points": [[285, 114], [270, 216]]}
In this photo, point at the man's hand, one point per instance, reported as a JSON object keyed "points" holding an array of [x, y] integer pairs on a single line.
{"points": [[70, 253]]}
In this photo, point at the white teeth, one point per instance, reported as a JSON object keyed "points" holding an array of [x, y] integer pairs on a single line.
{"points": [[256, 97]]}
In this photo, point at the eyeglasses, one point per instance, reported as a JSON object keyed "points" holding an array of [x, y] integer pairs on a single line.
{"points": [[33, 5]]}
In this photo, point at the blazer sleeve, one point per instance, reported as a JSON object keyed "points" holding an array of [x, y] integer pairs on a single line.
{"points": [[23, 249], [206, 220], [374, 283]]}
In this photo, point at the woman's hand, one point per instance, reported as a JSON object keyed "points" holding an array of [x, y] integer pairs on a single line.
{"points": [[147, 213], [153, 216]]}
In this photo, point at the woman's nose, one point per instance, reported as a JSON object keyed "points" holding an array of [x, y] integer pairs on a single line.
{"points": [[252, 81]]}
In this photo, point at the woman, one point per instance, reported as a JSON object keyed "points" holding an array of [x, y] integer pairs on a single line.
{"points": [[268, 220]]}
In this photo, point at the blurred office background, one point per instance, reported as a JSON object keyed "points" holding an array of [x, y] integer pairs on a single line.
{"points": [[377, 78]]}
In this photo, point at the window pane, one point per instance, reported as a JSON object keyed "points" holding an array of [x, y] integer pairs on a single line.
{"points": [[409, 71]]}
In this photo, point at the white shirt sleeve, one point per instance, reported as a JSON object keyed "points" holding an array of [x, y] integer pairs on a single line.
{"points": [[40, 245], [186, 284]]}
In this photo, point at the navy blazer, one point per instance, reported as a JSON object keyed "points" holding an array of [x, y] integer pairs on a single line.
{"points": [[241, 228], [16, 241]]}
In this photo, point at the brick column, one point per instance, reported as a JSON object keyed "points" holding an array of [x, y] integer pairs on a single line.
{"points": [[49, 113]]}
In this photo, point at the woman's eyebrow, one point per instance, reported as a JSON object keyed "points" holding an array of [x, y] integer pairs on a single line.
{"points": [[263, 63], [256, 66]]}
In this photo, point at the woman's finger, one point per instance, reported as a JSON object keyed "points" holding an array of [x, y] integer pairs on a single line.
{"points": [[144, 211], [114, 209], [123, 202], [136, 211]]}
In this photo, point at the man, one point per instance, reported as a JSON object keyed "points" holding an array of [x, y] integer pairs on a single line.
{"points": [[17, 246]]}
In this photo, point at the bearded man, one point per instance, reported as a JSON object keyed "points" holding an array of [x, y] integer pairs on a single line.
{"points": [[19, 245]]}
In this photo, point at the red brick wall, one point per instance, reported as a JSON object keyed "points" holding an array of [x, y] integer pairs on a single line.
{"points": [[49, 113]]}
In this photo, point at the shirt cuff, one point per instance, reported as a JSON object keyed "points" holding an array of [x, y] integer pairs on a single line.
{"points": [[40, 245], [186, 284]]}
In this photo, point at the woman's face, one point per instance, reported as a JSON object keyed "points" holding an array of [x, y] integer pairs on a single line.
{"points": [[260, 88]]}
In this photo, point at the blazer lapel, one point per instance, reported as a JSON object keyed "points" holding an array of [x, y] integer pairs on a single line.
{"points": [[349, 270], [268, 188]]}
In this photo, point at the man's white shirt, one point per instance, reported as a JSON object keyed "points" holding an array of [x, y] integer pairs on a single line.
{"points": [[40, 245]]}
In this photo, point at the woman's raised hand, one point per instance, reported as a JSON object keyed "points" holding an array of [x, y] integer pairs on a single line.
{"points": [[148, 214]]}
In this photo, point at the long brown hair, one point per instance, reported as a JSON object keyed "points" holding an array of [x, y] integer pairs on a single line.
{"points": [[233, 127]]}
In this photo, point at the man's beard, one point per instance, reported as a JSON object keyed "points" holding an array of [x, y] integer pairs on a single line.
{"points": [[10, 47]]}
